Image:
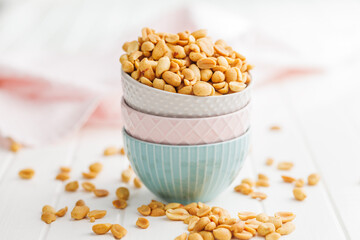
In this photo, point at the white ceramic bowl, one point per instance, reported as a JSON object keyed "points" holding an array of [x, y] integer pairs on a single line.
{"points": [[162, 103], [185, 131]]}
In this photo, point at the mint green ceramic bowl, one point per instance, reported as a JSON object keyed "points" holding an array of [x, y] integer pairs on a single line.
{"points": [[187, 173]]}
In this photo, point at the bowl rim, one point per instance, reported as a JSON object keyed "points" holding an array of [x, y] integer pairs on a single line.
{"points": [[124, 104], [129, 78], [244, 135]]}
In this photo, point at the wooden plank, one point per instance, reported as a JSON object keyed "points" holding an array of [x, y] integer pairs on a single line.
{"points": [[288, 145]]}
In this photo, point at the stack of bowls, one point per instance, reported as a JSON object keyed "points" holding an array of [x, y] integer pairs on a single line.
{"points": [[184, 148]]}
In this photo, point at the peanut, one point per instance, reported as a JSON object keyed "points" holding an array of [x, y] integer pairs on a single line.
{"points": [[126, 175], [101, 192], [137, 182], [313, 179], [218, 77], [195, 236], [258, 195], [286, 228], [15, 146], [288, 179], [72, 186], [118, 231], [244, 188], [120, 203], [96, 214], [262, 217], [171, 78], [89, 175], [236, 86], [63, 176], [122, 151], [246, 215], [142, 223], [144, 210], [61, 212], [207, 235], [158, 83], [202, 89], [101, 228], [285, 166], [48, 208], [244, 235], [199, 33], [159, 50], [80, 203], [265, 229], [277, 221], [181, 237], [200, 225], [27, 173], [48, 217], [285, 216], [269, 161], [262, 183], [95, 167], [273, 236], [222, 234], [206, 63], [299, 194], [178, 214], [157, 212], [88, 186], [210, 226], [162, 66], [110, 151], [65, 169], [79, 212], [299, 183], [122, 193]]}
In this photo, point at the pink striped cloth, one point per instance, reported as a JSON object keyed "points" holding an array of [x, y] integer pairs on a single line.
{"points": [[44, 96]]}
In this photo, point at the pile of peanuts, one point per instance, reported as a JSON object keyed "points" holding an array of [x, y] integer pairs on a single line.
{"points": [[209, 223], [185, 63]]}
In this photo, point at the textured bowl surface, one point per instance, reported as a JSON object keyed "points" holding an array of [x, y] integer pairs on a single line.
{"points": [[185, 131], [187, 173], [158, 102]]}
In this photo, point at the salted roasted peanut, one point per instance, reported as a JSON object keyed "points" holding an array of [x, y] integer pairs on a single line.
{"points": [[80, 202], [122, 193], [299, 194], [222, 234], [162, 66], [188, 74], [89, 175], [219, 85], [142, 223], [186, 90], [171, 78], [96, 214], [172, 38], [178, 214], [230, 75], [136, 74], [132, 47], [265, 228], [200, 225], [120, 203], [174, 67], [156, 204], [313, 179], [207, 235], [210, 226], [194, 48], [262, 217], [243, 67], [126, 175], [285, 216], [262, 177], [223, 62], [118, 231], [288, 179], [95, 167], [61, 212], [72, 186], [154, 38], [237, 86], [101, 228], [237, 227], [206, 74], [199, 33], [183, 236], [248, 181], [137, 182], [273, 236], [190, 205], [48, 217], [158, 83], [169, 88], [285, 166], [250, 229], [134, 56], [195, 236], [243, 188], [253, 223], [88, 186], [258, 195], [127, 66], [277, 221], [125, 46], [63, 176], [110, 151], [101, 192], [65, 169], [144, 210], [196, 56], [178, 52], [172, 206], [159, 50], [225, 89], [262, 183], [202, 89], [206, 63], [244, 235], [299, 182], [26, 173], [246, 215], [79, 212], [48, 208], [193, 222], [206, 46], [123, 58], [204, 211], [221, 50], [269, 161], [157, 212], [218, 77], [147, 46], [286, 228]]}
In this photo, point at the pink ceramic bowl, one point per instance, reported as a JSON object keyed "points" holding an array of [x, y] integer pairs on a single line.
{"points": [[185, 131]]}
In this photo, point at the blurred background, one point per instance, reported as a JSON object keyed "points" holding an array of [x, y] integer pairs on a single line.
{"points": [[59, 59]]}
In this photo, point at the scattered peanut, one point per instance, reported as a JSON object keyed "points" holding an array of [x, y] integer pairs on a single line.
{"points": [[120, 203], [95, 167], [101, 228], [288, 179], [313, 179], [63, 176], [96, 214], [286, 228], [15, 146], [269, 161], [72, 186], [299, 183], [65, 169], [178, 214], [79, 212], [273, 236], [118, 231], [285, 216], [222, 234], [144, 210], [285, 166], [126, 175], [122, 193], [89, 175], [26, 173], [48, 217], [101, 192], [244, 188], [61, 212], [142, 223], [110, 151], [258, 195], [299, 194], [88, 186], [265, 228], [275, 128]]}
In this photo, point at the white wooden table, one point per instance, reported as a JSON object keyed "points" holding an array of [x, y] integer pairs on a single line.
{"points": [[319, 116]]}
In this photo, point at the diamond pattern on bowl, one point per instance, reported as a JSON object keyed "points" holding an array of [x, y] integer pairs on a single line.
{"points": [[185, 131]]}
